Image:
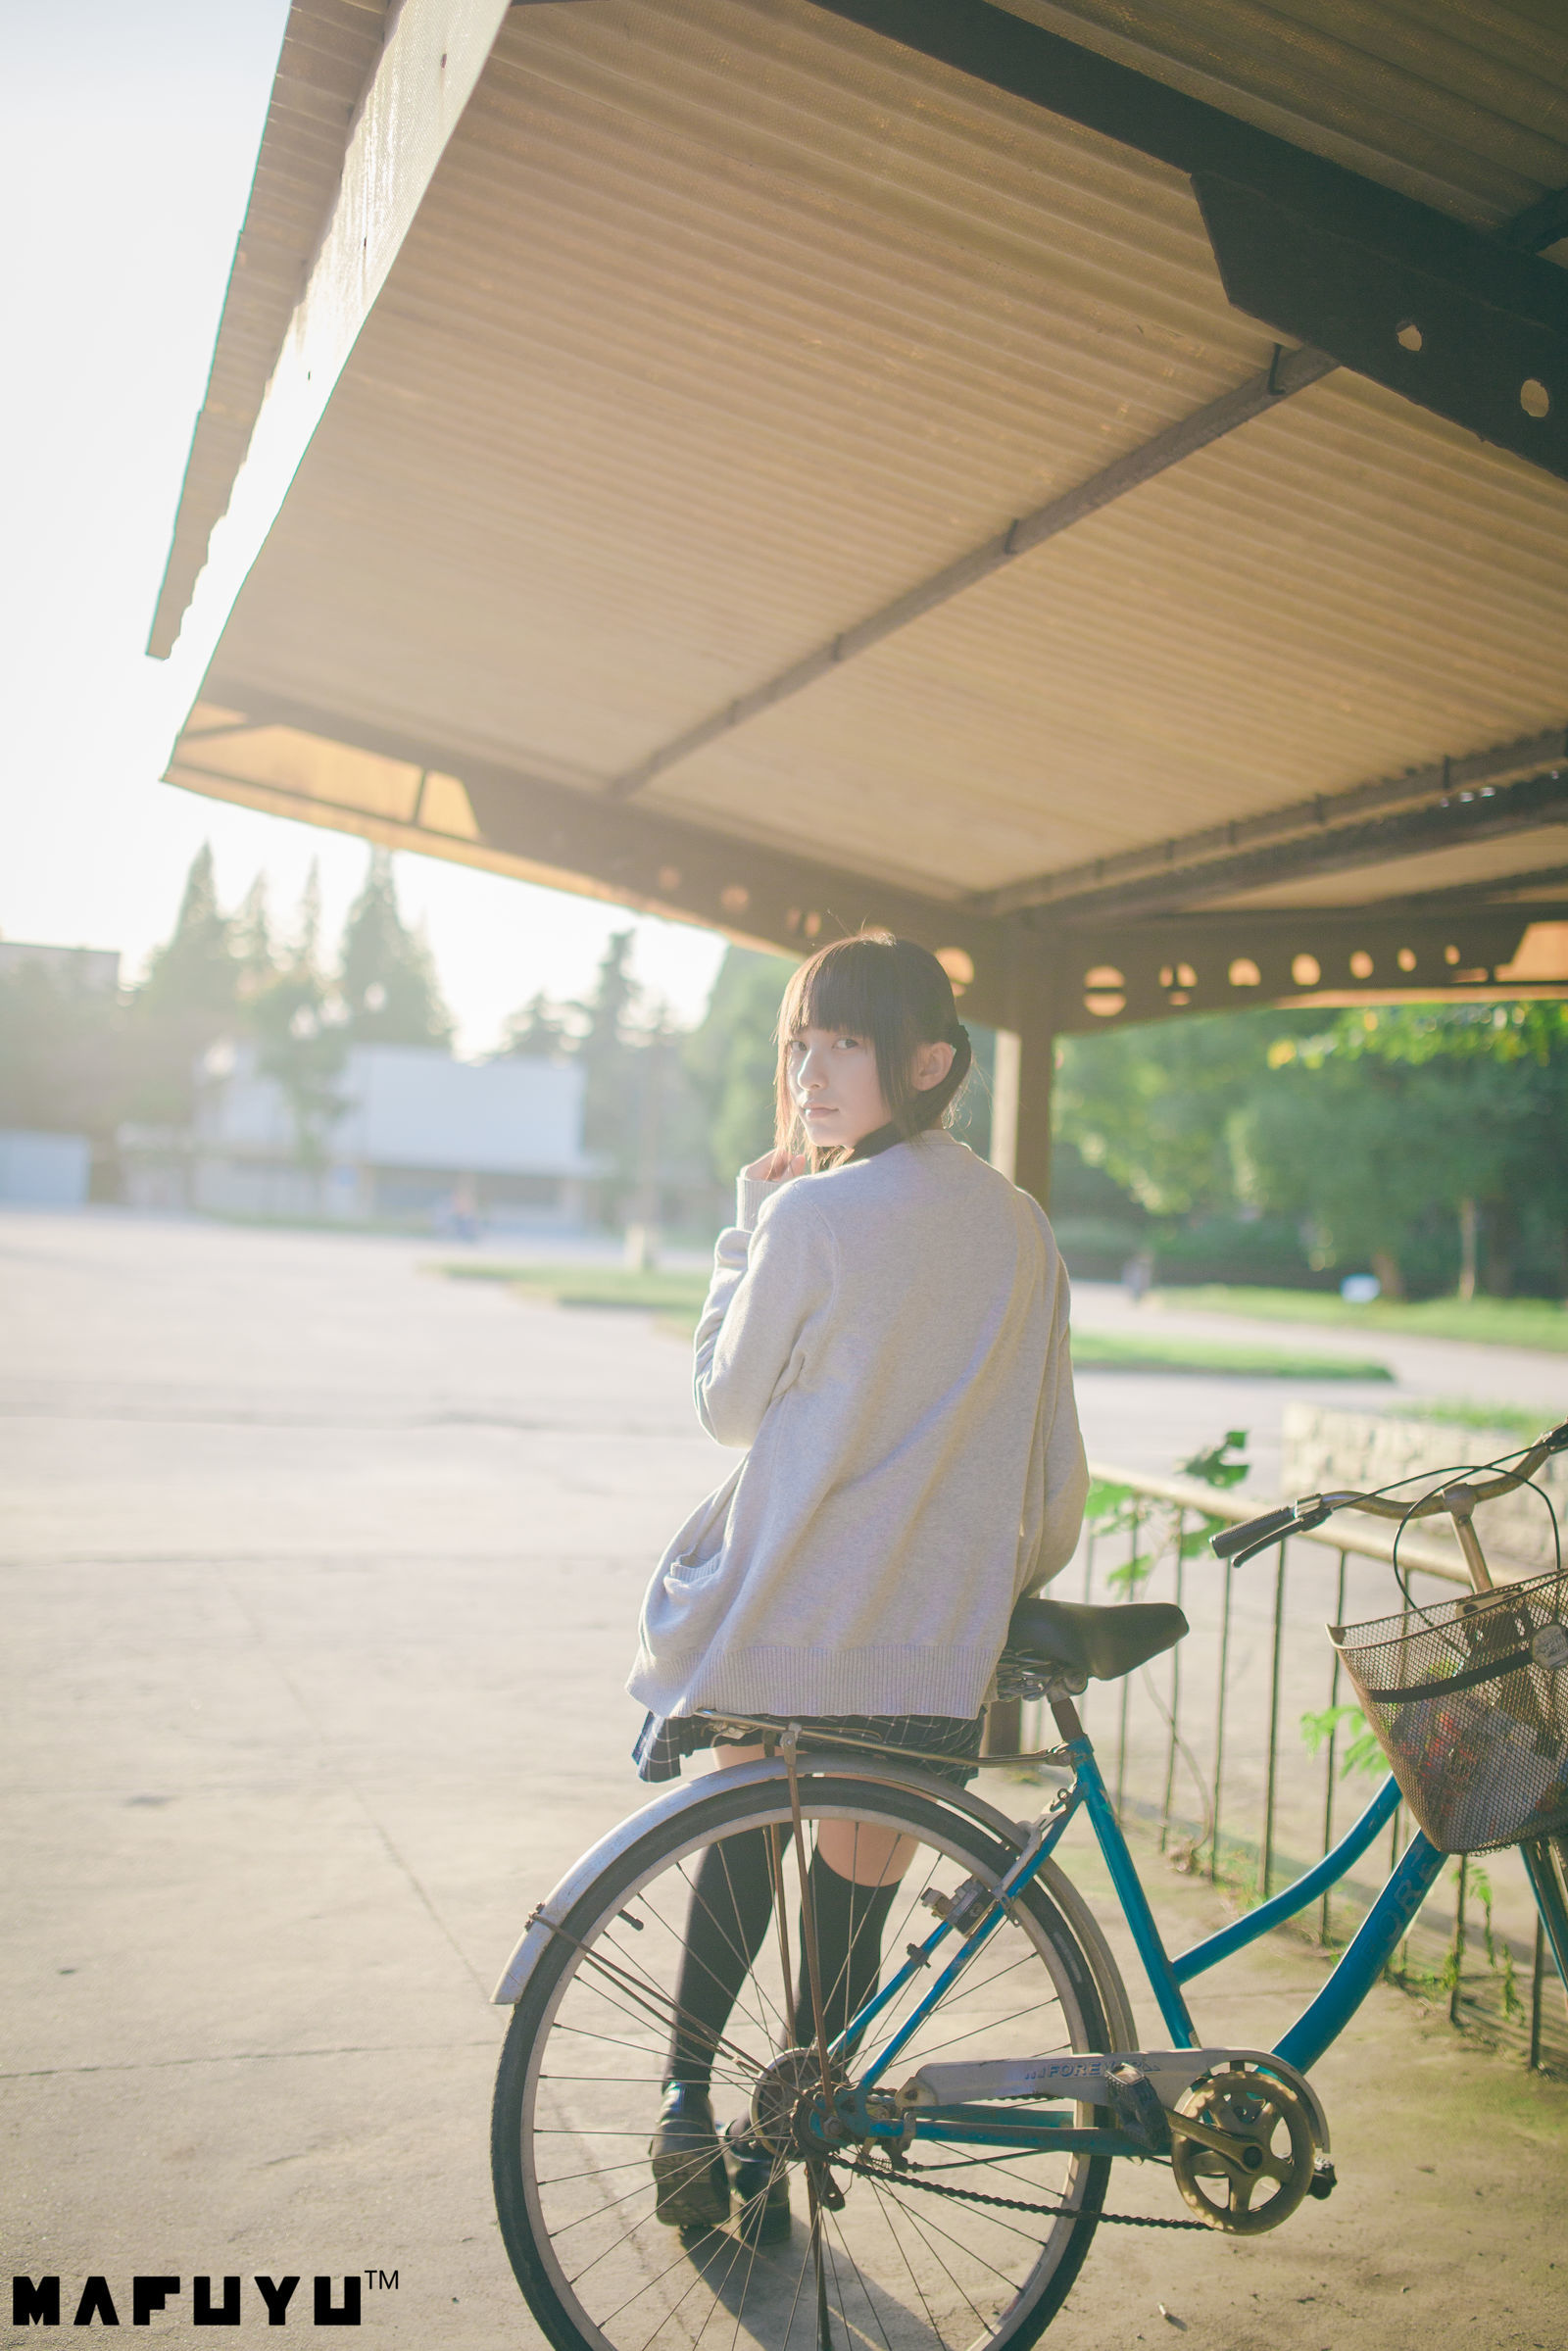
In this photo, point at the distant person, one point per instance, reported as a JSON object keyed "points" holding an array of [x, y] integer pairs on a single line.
{"points": [[886, 1332], [1138, 1275]]}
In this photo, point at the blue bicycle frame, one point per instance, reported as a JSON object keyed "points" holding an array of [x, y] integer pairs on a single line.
{"points": [[1319, 2024]]}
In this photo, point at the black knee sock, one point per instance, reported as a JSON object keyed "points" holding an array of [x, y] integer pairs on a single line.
{"points": [[732, 1903], [850, 1919]]}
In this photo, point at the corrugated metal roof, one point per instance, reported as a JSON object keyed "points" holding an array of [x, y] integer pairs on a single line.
{"points": [[329, 47], [1459, 103], [726, 322]]}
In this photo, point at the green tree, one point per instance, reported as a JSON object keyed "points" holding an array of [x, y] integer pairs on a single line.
{"points": [[611, 1112], [1156, 1108], [1357, 1150], [195, 975], [732, 1056], [251, 934], [298, 1020], [191, 996], [541, 1031], [1472, 1101], [387, 978]]}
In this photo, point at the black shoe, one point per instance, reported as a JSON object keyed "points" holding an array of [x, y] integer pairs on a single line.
{"points": [[689, 2175], [761, 2184]]}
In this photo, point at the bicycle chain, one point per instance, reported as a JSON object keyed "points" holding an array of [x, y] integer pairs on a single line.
{"points": [[908, 2175]]}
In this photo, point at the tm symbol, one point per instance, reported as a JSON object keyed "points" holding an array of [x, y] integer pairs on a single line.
{"points": [[387, 2279]]}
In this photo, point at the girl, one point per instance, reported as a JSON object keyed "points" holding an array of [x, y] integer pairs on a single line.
{"points": [[886, 1332]]}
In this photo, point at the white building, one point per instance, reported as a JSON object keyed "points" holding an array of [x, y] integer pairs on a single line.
{"points": [[420, 1139], [91, 967]]}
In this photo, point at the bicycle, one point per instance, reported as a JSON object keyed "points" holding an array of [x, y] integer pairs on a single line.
{"points": [[955, 2141]]}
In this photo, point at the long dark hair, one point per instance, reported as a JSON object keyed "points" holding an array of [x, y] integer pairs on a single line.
{"points": [[897, 995]]}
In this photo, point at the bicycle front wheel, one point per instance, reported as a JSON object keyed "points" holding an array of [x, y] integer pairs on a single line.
{"points": [[907, 2258]]}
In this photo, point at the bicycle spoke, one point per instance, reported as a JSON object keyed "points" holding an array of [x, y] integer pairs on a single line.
{"points": [[638, 2048], [870, 2301], [887, 2222], [918, 2226], [925, 2220]]}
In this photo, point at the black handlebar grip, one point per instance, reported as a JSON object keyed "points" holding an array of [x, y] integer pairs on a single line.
{"points": [[1254, 1534]]}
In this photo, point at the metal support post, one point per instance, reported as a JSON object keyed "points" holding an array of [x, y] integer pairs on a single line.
{"points": [[1020, 1146], [1266, 1863], [1026, 1060], [1220, 1722], [1329, 1759]]}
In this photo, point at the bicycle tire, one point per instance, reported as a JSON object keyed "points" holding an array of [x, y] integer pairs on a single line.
{"points": [[670, 2292]]}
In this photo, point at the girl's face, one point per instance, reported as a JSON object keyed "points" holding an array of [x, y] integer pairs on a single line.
{"points": [[834, 1085]]}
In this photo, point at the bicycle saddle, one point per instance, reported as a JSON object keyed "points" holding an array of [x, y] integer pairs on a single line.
{"points": [[1102, 1643]]}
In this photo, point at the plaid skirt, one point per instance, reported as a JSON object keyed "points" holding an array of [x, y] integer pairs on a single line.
{"points": [[666, 1739]]}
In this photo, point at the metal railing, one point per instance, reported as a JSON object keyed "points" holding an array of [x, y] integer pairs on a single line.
{"points": [[1237, 1750]]}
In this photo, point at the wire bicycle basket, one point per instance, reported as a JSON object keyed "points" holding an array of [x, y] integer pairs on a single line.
{"points": [[1469, 1701]]}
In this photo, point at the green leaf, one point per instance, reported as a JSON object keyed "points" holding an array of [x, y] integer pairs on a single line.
{"points": [[1213, 1468], [1129, 1577], [1105, 1500], [1364, 1753]]}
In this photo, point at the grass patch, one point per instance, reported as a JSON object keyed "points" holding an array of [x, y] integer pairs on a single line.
{"points": [[677, 1300], [1530, 1322], [1503, 1420], [656, 1291], [1097, 1350]]}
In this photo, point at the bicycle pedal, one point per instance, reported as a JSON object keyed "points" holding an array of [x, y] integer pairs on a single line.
{"points": [[1137, 2108], [1324, 2180]]}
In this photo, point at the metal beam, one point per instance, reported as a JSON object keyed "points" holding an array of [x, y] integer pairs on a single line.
{"points": [[564, 838], [1290, 373], [1479, 816], [1227, 962], [1495, 888], [1541, 224], [1434, 781], [1365, 260], [1456, 332]]}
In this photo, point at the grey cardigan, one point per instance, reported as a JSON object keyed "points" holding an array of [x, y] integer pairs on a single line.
{"points": [[890, 1341]]}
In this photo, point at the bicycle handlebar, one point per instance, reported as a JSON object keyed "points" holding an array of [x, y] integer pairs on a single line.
{"points": [[1243, 1542]]}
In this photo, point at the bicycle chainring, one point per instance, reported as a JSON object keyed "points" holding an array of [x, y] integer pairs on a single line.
{"points": [[1245, 2180]]}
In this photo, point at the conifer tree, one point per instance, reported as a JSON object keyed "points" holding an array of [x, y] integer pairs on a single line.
{"points": [[387, 976], [252, 936], [539, 1032], [300, 1027], [196, 974]]}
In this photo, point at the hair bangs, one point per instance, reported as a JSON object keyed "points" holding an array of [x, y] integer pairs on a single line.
{"points": [[836, 989]]}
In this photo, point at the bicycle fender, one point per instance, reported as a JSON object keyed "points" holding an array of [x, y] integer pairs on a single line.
{"points": [[565, 1896]]}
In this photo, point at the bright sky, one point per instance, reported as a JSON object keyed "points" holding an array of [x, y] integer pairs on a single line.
{"points": [[128, 139]]}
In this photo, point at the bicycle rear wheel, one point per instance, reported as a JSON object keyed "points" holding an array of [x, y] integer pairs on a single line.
{"points": [[904, 2263]]}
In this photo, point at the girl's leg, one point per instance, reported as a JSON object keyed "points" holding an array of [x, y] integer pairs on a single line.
{"points": [[854, 1879], [855, 1876], [729, 1912], [731, 1905]]}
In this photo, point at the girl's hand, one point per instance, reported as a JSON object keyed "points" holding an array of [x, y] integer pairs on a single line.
{"points": [[776, 1167]]}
